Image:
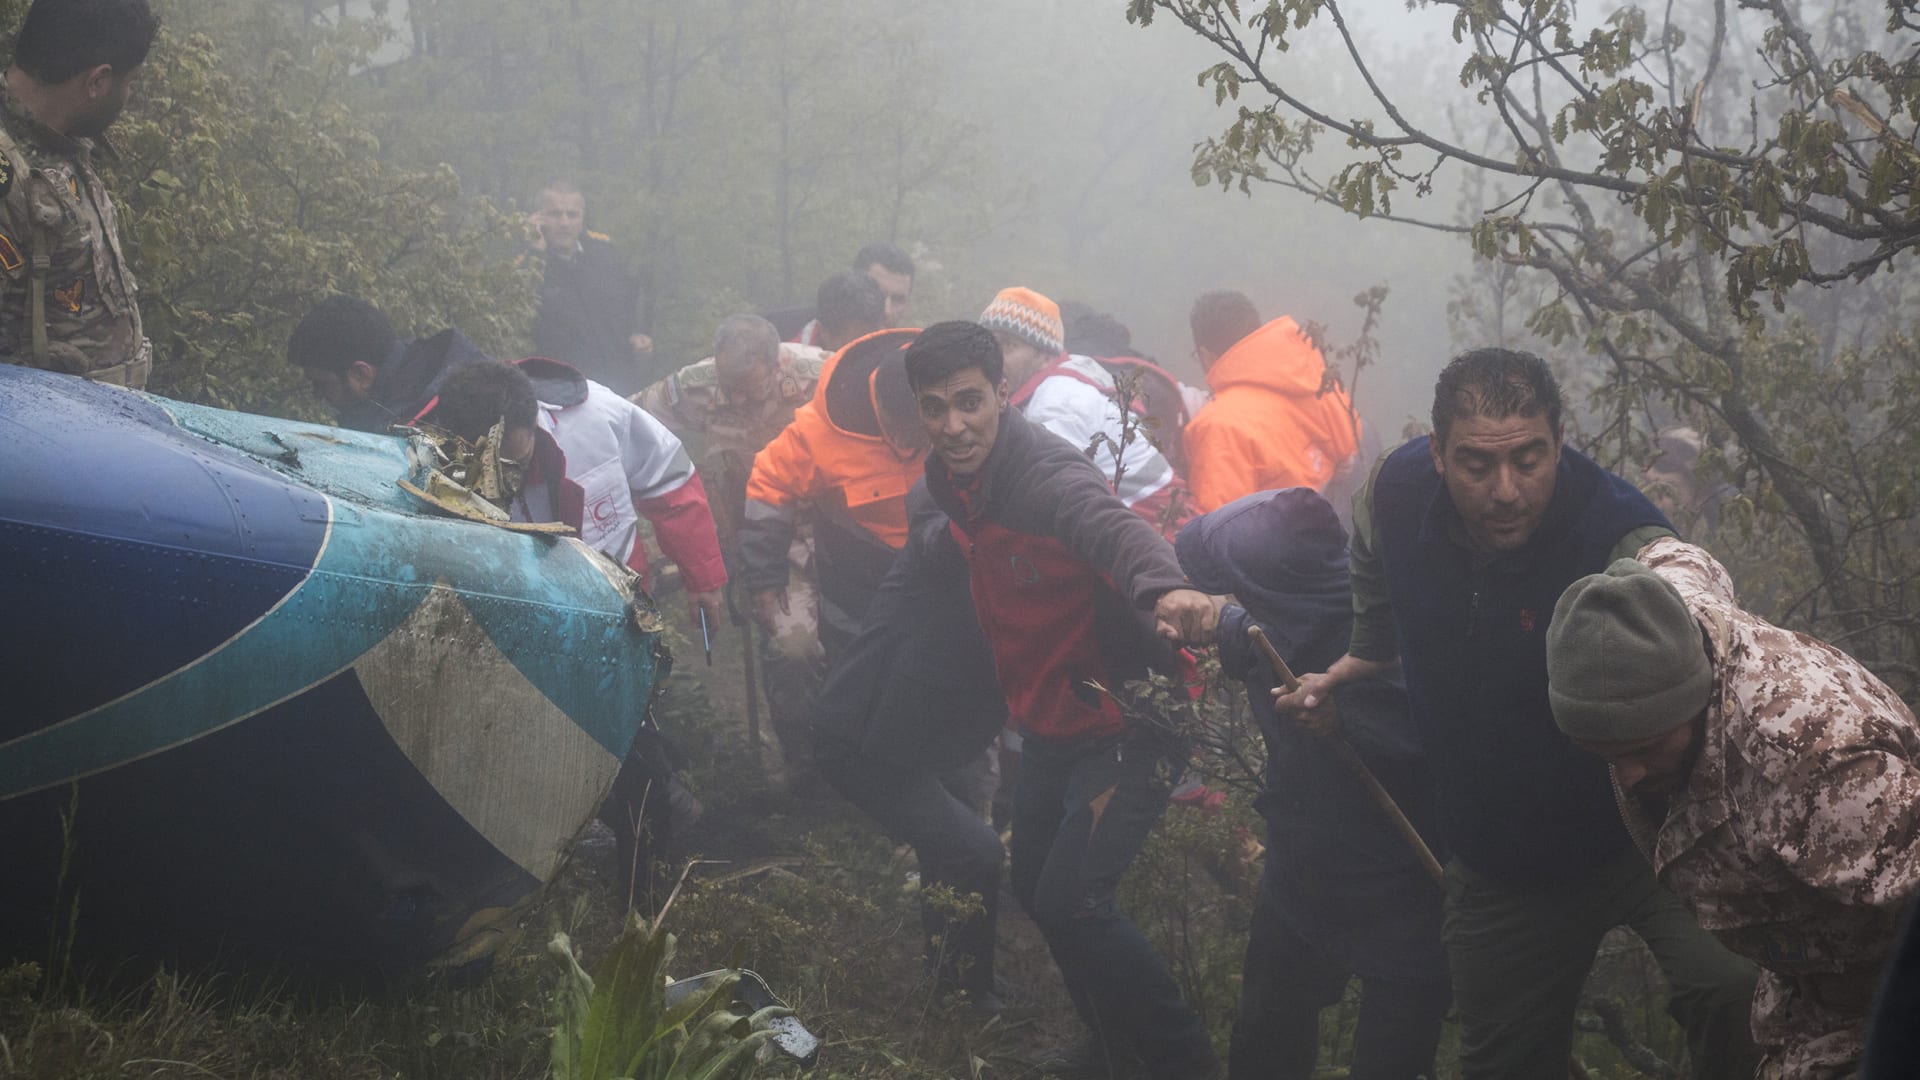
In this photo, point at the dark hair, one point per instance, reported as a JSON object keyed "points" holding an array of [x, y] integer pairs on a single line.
{"points": [[850, 299], [1494, 383], [338, 331], [478, 396], [1095, 333], [62, 38], [1220, 320], [886, 256], [946, 349]]}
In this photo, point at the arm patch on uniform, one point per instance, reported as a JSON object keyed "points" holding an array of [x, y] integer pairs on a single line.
{"points": [[10, 259]]}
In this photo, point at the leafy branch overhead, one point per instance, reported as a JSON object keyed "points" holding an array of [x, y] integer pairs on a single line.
{"points": [[1593, 112], [1717, 199]]}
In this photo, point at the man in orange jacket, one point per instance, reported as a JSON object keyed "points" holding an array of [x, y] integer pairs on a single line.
{"points": [[849, 456], [1274, 421]]}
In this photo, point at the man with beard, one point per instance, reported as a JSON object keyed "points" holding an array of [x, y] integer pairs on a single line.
{"points": [[69, 299], [1773, 781], [1462, 543]]}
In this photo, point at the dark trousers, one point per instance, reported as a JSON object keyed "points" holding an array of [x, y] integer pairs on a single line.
{"points": [[1285, 984], [1080, 815], [792, 686], [638, 808], [1520, 956], [940, 817]]}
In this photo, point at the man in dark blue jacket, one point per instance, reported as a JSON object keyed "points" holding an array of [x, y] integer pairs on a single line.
{"points": [[1076, 594], [1463, 542], [358, 365], [1341, 893]]}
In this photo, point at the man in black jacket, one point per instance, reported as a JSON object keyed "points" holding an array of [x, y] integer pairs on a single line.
{"points": [[1078, 595], [358, 365], [1341, 892], [592, 314]]}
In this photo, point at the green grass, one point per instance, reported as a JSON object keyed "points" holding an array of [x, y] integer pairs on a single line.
{"points": [[796, 887]]}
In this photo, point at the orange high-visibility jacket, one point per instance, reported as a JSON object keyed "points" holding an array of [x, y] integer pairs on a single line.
{"points": [[837, 458], [1268, 425]]}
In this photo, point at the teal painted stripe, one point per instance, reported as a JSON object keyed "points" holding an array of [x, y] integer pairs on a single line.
{"points": [[543, 603]]}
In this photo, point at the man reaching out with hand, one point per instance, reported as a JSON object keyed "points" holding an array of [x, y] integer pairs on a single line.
{"points": [[1078, 595]]}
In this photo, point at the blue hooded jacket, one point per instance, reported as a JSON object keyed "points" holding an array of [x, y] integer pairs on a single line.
{"points": [[1283, 556]]}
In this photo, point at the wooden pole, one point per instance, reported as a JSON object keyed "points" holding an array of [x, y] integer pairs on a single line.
{"points": [[749, 661], [1345, 752]]}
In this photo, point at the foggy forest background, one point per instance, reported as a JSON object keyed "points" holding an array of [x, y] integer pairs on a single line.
{"points": [[1701, 213]]}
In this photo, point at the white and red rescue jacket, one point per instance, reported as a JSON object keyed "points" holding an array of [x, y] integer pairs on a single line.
{"points": [[1073, 397], [626, 465]]}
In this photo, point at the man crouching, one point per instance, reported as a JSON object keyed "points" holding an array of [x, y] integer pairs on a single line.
{"points": [[1769, 776]]}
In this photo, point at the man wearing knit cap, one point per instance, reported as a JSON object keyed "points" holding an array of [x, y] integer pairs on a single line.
{"points": [[1075, 397], [1462, 543], [1773, 781]]}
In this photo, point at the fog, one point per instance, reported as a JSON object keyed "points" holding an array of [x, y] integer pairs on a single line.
{"points": [[1052, 144]]}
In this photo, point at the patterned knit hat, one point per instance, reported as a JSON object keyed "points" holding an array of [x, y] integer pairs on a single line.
{"points": [[1028, 316]]}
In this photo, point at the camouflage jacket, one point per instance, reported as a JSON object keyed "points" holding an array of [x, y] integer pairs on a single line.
{"points": [[1797, 838], [52, 203], [693, 406]]}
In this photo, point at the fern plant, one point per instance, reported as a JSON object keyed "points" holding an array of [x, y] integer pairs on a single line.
{"points": [[618, 1022]]}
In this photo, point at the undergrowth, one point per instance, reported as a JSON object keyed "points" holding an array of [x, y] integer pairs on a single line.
{"points": [[793, 885]]}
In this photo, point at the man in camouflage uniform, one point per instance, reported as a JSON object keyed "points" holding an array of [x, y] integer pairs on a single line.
{"points": [[1773, 781], [735, 402], [69, 300], [729, 406]]}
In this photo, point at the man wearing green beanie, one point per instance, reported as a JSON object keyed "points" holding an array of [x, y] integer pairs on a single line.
{"points": [[1773, 781]]}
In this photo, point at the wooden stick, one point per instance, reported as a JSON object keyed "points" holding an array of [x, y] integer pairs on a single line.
{"points": [[1351, 760], [1345, 752], [747, 662]]}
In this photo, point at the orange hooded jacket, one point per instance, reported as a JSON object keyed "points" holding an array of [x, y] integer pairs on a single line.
{"points": [[1268, 425], [836, 458]]}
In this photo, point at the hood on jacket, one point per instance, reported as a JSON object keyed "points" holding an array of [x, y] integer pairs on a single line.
{"points": [[864, 391], [555, 382], [1276, 357], [1282, 554]]}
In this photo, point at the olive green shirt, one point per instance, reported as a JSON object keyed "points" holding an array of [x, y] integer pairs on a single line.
{"points": [[1373, 634]]}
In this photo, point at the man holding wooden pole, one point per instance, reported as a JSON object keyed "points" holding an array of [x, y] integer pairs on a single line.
{"points": [[1463, 542], [1342, 892]]}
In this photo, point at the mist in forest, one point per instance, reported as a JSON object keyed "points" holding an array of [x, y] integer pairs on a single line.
{"points": [[743, 150]]}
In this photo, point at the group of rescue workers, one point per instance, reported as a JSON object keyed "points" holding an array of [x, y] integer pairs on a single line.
{"points": [[978, 538]]}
